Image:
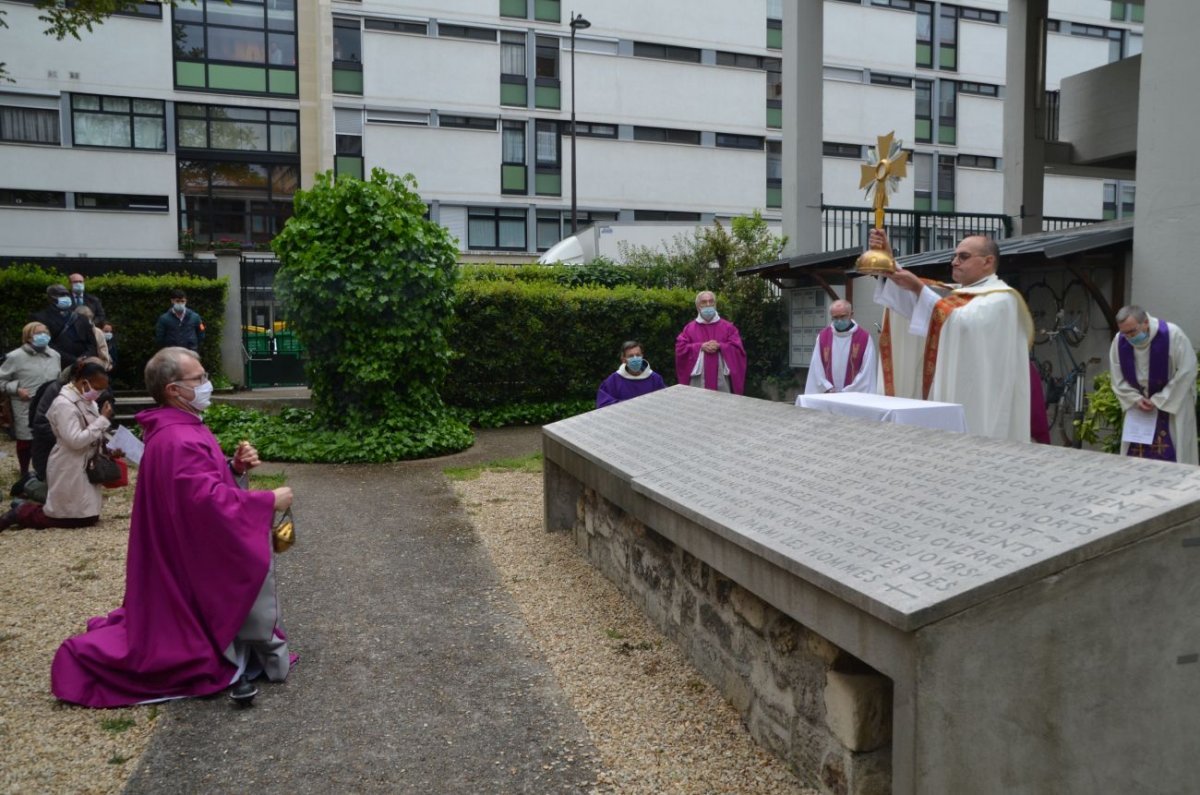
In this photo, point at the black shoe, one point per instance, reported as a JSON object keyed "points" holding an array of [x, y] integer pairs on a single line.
{"points": [[243, 692]]}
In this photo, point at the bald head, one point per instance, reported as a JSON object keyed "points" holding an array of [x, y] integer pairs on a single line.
{"points": [[841, 307]]}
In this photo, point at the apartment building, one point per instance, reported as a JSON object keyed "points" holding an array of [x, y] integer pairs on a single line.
{"points": [[200, 122]]}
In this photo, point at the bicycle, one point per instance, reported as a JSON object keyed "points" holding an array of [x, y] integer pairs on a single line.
{"points": [[1066, 396]]}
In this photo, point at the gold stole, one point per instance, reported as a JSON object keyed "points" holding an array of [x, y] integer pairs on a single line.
{"points": [[941, 313]]}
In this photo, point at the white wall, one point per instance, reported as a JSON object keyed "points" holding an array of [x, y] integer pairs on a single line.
{"points": [[840, 185], [978, 190], [891, 34], [450, 10], [858, 113], [415, 71], [980, 125], [1074, 197], [719, 24], [449, 164], [981, 51], [1068, 55]]}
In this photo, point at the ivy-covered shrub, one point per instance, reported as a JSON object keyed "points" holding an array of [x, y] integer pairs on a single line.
{"points": [[368, 284], [530, 342], [133, 303]]}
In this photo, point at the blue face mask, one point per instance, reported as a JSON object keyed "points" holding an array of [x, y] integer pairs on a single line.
{"points": [[842, 324], [63, 302], [41, 340], [1140, 339], [108, 336], [634, 364], [77, 288], [708, 312], [179, 308]]}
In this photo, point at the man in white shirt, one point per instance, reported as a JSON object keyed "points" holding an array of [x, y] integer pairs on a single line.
{"points": [[843, 359]]}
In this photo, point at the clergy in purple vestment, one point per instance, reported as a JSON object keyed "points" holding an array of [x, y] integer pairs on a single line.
{"points": [[709, 352], [200, 611], [632, 379]]}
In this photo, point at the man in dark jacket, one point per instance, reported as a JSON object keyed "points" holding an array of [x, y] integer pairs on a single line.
{"points": [[179, 326], [70, 334], [80, 298]]}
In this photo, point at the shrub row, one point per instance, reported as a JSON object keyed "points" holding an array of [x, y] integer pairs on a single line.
{"points": [[133, 303]]}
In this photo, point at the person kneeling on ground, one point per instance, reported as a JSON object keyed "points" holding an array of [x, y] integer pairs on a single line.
{"points": [[200, 611], [23, 371], [79, 425], [632, 379]]}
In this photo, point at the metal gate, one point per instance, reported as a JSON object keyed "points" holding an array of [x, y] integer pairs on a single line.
{"points": [[273, 355]]}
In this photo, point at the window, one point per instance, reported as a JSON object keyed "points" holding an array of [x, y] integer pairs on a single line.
{"points": [[248, 201], [947, 112], [924, 34], [948, 38], [774, 174], [397, 26], [547, 10], [979, 89], [549, 229], [585, 129], [945, 183], [236, 129], [667, 52], [978, 161], [398, 117], [664, 215], [923, 91], [774, 9], [118, 122], [1128, 194], [464, 32], [122, 201], [980, 15], [774, 69], [547, 144], [347, 43], [831, 149], [29, 125], [518, 9], [148, 10], [740, 59], [902, 5], [1053, 25], [348, 155], [466, 122], [879, 79], [922, 172], [547, 91], [1110, 201], [496, 229], [513, 177], [242, 46], [1128, 12], [13, 197], [666, 135], [775, 34], [732, 141]]}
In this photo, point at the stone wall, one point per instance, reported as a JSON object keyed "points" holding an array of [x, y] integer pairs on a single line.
{"points": [[826, 713]]}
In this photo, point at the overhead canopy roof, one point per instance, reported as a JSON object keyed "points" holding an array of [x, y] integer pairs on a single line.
{"points": [[1041, 246]]}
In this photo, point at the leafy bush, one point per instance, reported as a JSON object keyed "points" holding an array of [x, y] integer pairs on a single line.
{"points": [[525, 413], [368, 283], [132, 302], [1102, 422]]}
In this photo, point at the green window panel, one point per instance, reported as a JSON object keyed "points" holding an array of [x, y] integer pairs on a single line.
{"points": [[347, 81], [922, 204], [1118, 11], [189, 74], [237, 78], [549, 185], [774, 39], [924, 55], [514, 95], [1109, 213], [513, 179], [947, 135], [283, 81], [346, 166], [547, 10], [775, 118], [945, 205], [924, 130], [774, 197], [1138, 13], [948, 57], [513, 8], [547, 97]]}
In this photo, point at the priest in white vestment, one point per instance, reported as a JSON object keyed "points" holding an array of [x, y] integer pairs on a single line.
{"points": [[964, 343], [1153, 368], [843, 358]]}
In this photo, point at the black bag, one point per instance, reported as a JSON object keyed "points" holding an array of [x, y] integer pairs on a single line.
{"points": [[101, 468]]}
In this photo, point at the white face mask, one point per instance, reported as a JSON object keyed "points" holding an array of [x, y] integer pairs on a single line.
{"points": [[201, 397]]}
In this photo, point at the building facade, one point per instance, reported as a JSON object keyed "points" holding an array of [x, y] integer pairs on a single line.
{"points": [[167, 128]]}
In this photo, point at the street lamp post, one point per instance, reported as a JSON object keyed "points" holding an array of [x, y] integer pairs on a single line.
{"points": [[577, 23]]}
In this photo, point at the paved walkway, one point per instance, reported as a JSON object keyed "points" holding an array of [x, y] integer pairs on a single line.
{"points": [[414, 675]]}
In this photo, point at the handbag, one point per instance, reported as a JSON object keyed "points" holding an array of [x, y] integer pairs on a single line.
{"points": [[123, 479], [101, 468], [283, 534]]}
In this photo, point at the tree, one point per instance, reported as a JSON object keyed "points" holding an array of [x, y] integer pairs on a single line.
{"points": [[368, 285]]}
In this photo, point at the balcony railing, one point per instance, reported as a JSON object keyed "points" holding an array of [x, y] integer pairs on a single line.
{"points": [[910, 231]]}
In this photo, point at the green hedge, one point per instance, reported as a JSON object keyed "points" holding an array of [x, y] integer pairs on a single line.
{"points": [[132, 303], [538, 342]]}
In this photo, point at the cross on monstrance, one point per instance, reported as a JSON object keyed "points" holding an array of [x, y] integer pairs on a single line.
{"points": [[886, 165]]}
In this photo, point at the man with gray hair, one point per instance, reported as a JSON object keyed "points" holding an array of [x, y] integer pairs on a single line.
{"points": [[709, 352], [200, 613], [1153, 368], [843, 359]]}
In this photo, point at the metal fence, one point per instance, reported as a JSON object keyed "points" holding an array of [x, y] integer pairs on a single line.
{"points": [[910, 231], [1053, 223]]}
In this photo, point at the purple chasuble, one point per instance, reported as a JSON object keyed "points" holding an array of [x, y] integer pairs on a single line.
{"points": [[858, 349], [199, 552], [1162, 448], [617, 388], [687, 350]]}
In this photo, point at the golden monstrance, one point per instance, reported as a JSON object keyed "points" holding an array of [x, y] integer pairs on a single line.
{"points": [[885, 166]]}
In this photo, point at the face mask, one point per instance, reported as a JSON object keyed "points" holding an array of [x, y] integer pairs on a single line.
{"points": [[108, 336], [842, 324], [89, 393], [179, 309], [63, 302], [77, 288], [708, 312], [41, 340], [1140, 339], [202, 397], [635, 364]]}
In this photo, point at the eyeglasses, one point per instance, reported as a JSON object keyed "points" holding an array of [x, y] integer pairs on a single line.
{"points": [[201, 378], [962, 256]]}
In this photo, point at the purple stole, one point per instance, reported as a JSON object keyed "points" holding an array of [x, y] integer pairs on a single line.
{"points": [[858, 348], [1162, 448]]}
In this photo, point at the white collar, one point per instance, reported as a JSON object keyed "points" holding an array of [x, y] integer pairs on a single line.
{"points": [[643, 375], [700, 319], [853, 328]]}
